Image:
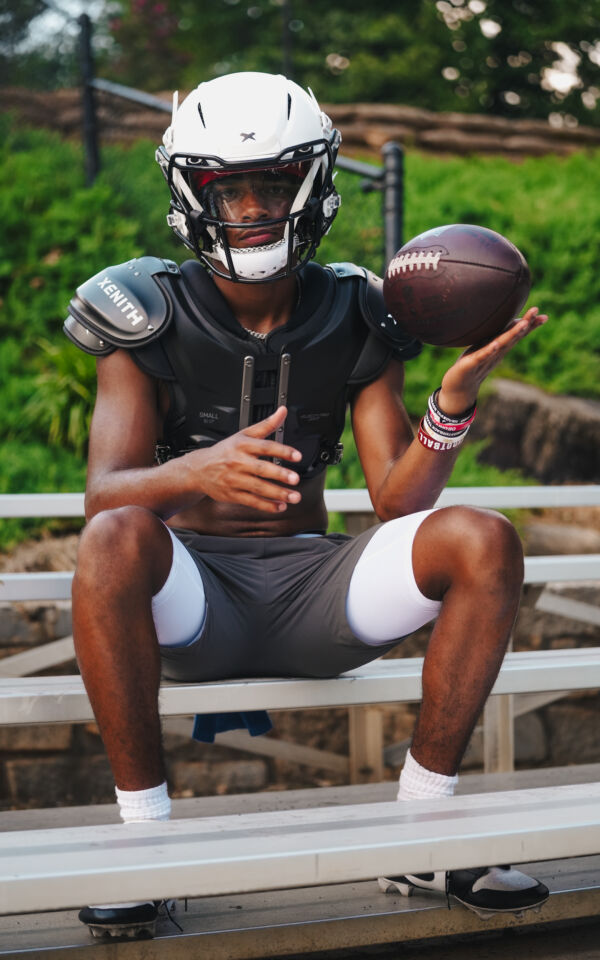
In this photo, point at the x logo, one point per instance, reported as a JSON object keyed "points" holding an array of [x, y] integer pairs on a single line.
{"points": [[247, 136]]}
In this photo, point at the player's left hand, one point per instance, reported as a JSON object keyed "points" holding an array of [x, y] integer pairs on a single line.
{"points": [[461, 383]]}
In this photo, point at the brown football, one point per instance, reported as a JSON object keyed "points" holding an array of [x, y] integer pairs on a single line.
{"points": [[456, 285]]}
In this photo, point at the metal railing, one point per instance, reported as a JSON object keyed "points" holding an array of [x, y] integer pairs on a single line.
{"points": [[388, 178]]}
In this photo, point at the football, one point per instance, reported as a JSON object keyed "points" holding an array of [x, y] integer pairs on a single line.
{"points": [[456, 285]]}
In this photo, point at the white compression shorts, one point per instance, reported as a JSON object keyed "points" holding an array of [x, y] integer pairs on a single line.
{"points": [[383, 602]]}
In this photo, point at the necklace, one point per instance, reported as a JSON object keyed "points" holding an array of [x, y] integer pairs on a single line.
{"points": [[263, 336], [256, 334]]}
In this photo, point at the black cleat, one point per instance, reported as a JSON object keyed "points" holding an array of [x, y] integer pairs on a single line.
{"points": [[485, 890], [126, 921]]}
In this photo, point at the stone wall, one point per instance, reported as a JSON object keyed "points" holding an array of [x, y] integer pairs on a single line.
{"points": [[554, 439], [365, 127]]}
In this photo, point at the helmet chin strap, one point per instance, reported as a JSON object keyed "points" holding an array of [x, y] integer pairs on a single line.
{"points": [[255, 263]]}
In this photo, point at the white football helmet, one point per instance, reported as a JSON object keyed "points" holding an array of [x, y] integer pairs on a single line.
{"points": [[244, 123]]}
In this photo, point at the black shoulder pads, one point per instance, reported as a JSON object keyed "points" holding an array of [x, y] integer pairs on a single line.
{"points": [[375, 313], [122, 306]]}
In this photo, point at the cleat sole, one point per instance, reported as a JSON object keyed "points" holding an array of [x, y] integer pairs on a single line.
{"points": [[121, 931], [395, 886], [485, 912]]}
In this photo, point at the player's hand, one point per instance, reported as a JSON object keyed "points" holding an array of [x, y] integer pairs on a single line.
{"points": [[461, 383], [235, 471]]}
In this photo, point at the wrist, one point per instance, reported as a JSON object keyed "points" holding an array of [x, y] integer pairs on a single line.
{"points": [[441, 430], [458, 405]]}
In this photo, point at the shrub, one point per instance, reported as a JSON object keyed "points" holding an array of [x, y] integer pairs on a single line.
{"points": [[56, 233]]}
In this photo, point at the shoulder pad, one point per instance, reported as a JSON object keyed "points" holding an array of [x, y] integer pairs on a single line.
{"points": [[122, 306], [383, 325], [375, 313], [345, 270]]}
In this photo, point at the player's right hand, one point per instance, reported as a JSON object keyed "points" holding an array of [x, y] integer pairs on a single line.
{"points": [[235, 470]]}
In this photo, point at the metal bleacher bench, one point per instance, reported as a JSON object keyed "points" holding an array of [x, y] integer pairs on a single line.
{"points": [[265, 846]]}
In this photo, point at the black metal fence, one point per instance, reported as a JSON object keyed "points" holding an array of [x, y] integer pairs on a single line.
{"points": [[388, 178]]}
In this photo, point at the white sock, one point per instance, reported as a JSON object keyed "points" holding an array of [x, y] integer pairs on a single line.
{"points": [[151, 804], [136, 806], [417, 783]]}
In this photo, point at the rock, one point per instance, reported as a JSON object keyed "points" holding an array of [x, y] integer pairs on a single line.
{"points": [[49, 737], [531, 743], [58, 781], [558, 538], [555, 439], [49, 553], [17, 629], [573, 730], [203, 778]]}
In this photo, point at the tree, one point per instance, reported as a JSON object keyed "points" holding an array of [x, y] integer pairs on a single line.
{"points": [[525, 58], [15, 18], [519, 58]]}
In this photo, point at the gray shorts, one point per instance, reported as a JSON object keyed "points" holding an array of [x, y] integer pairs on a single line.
{"points": [[275, 606]]}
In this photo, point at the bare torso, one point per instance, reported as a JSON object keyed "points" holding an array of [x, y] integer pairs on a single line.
{"points": [[236, 520]]}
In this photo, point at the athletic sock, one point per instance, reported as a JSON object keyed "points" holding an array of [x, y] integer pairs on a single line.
{"points": [[151, 804], [418, 783], [136, 806]]}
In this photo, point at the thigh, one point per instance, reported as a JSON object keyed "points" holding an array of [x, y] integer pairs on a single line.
{"points": [[221, 647], [384, 601], [179, 608]]}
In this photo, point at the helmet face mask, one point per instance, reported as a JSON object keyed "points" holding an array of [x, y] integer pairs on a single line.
{"points": [[258, 123]]}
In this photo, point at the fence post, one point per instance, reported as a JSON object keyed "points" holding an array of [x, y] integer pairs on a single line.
{"points": [[393, 197], [90, 129]]}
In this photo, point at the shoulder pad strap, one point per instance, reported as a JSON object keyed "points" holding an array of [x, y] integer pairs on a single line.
{"points": [[383, 325], [345, 270], [122, 306]]}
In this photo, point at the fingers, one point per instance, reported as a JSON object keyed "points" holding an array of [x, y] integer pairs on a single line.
{"points": [[258, 482], [496, 349], [265, 486], [255, 491], [269, 425], [271, 482], [270, 448], [463, 379], [259, 503]]}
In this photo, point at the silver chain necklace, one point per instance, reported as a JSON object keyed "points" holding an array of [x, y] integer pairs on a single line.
{"points": [[263, 336], [256, 334]]}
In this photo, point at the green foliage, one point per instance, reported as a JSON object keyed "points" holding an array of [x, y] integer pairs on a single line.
{"points": [[28, 466], [468, 471], [57, 233], [489, 57], [549, 207], [61, 403], [495, 57]]}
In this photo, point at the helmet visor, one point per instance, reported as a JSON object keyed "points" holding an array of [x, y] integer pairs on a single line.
{"points": [[240, 197]]}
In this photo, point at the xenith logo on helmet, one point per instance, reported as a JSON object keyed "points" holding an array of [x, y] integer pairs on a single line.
{"points": [[247, 136], [113, 293]]}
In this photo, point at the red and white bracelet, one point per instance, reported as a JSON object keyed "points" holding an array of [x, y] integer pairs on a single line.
{"points": [[441, 431]]}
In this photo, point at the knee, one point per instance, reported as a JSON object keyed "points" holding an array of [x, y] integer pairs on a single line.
{"points": [[130, 534], [487, 544], [475, 545]]}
